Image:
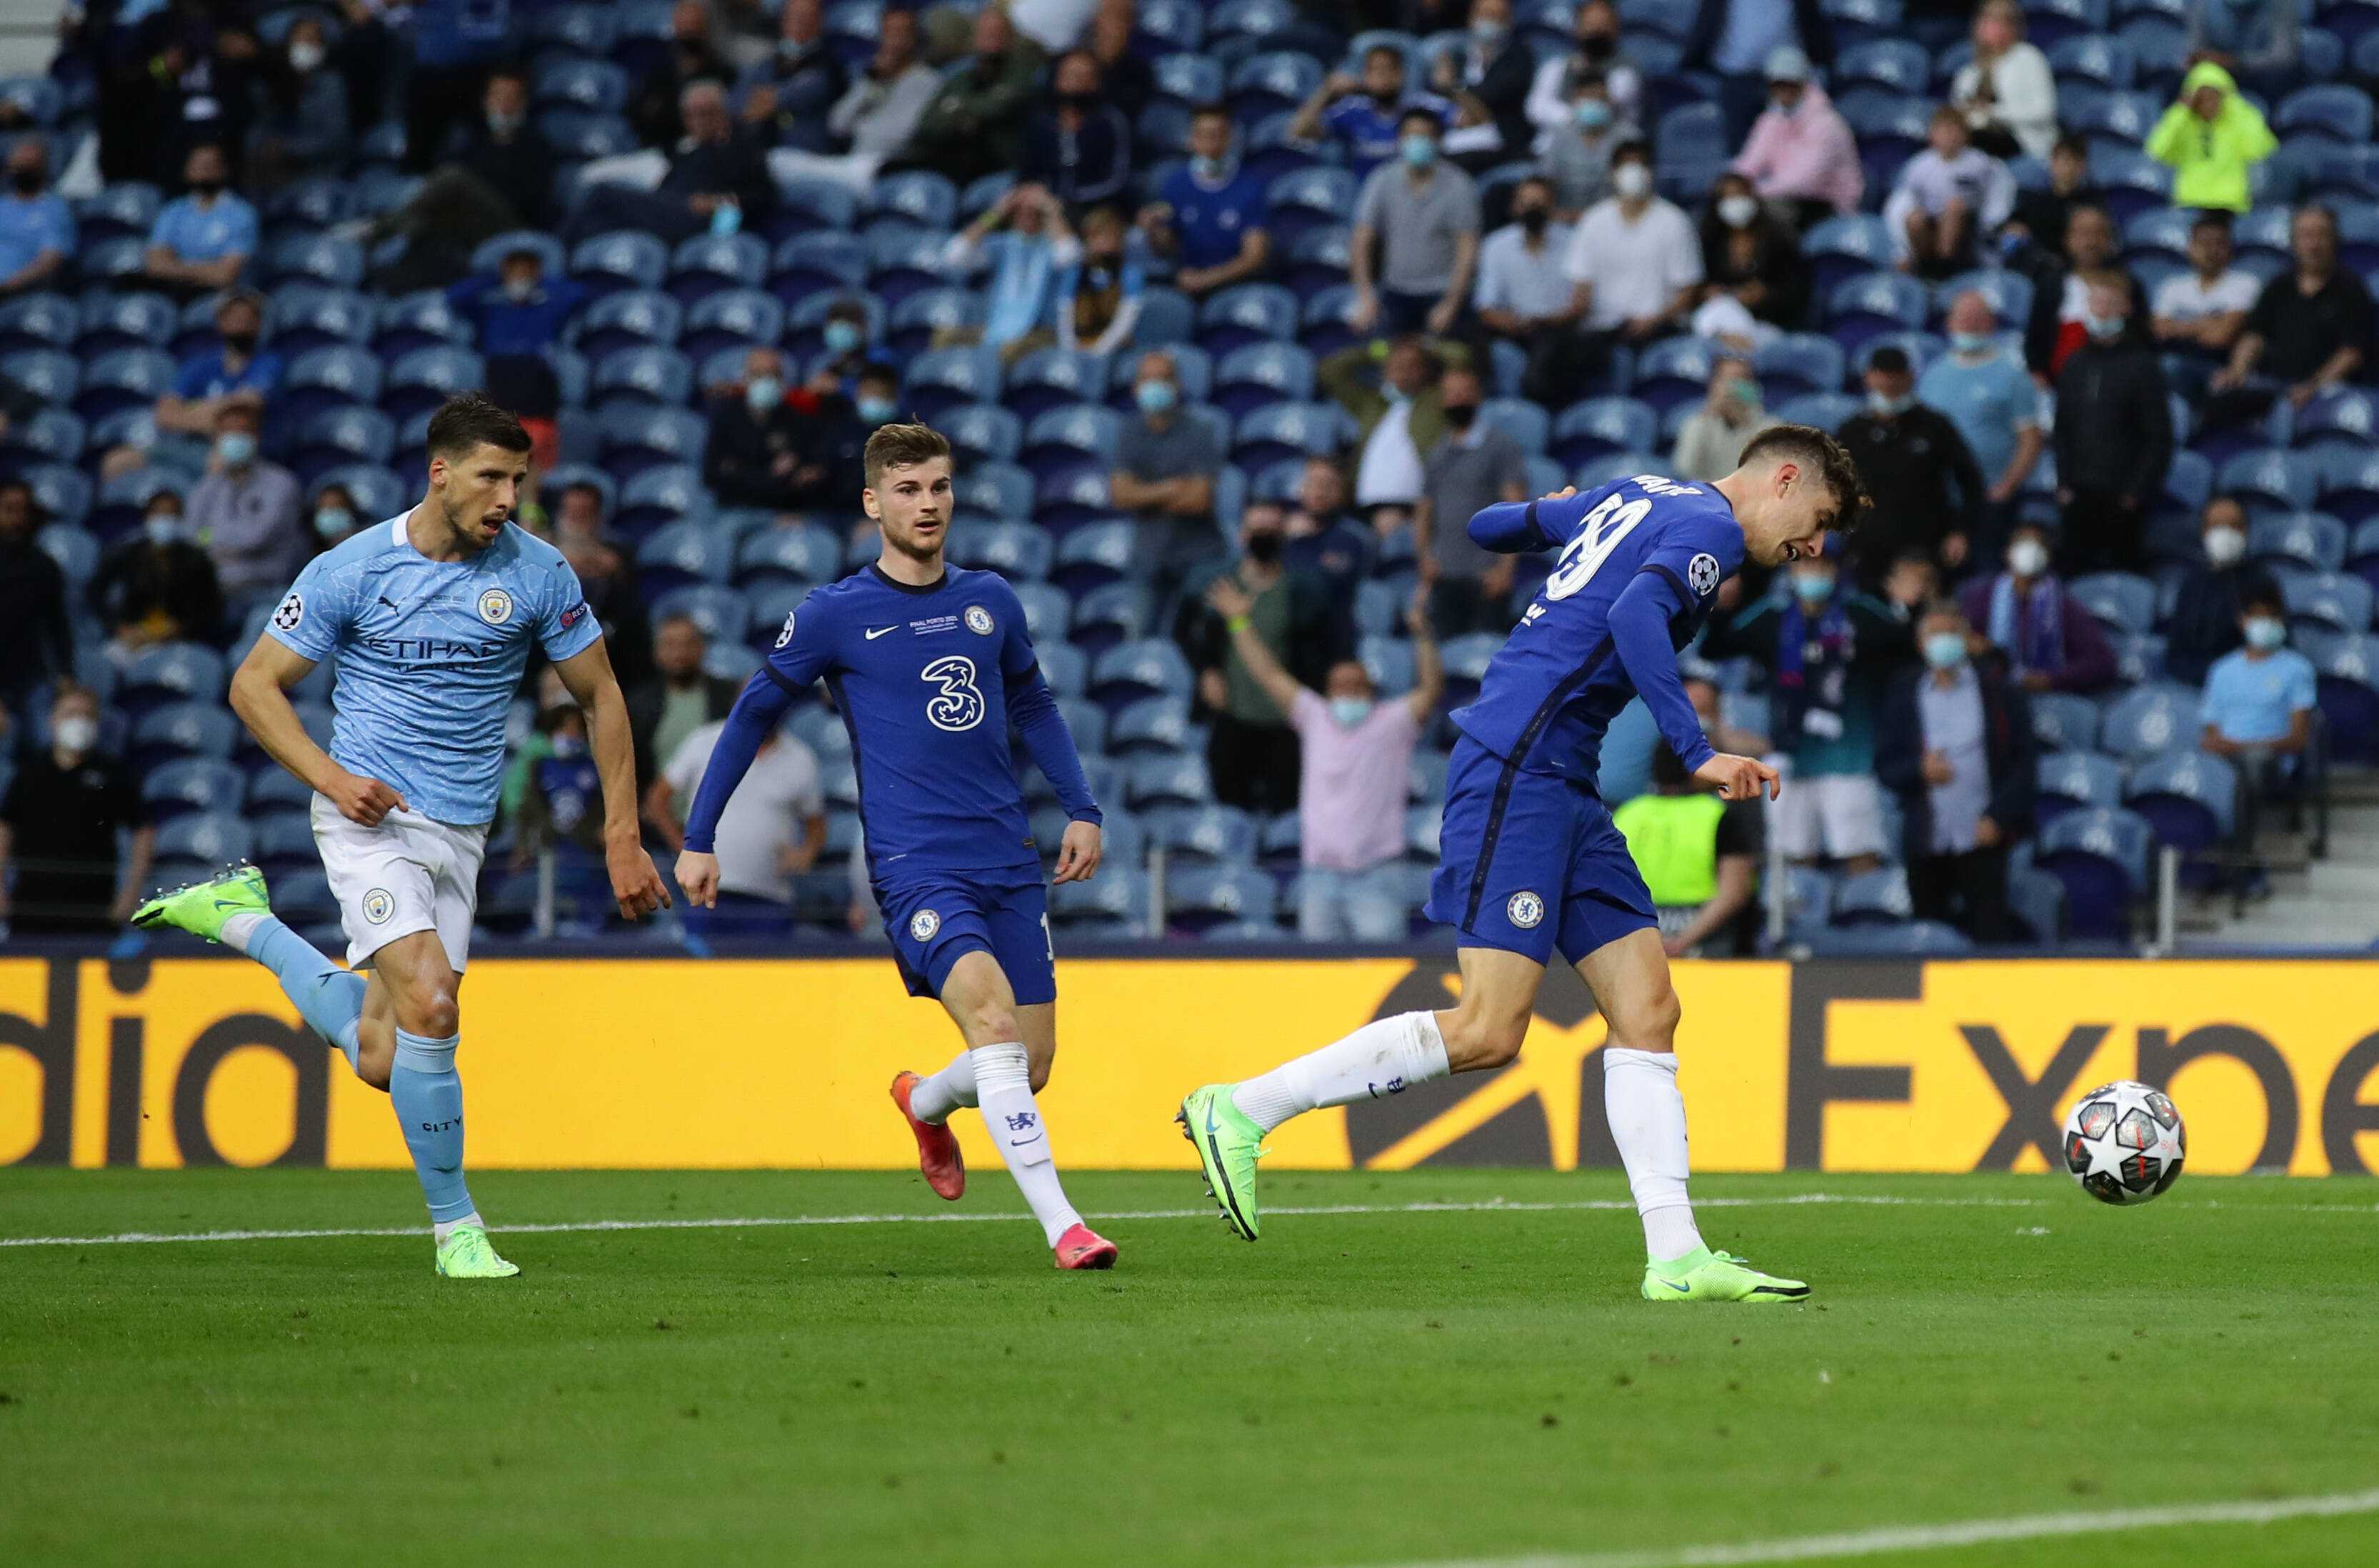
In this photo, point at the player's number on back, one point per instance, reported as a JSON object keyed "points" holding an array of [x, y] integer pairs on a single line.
{"points": [[1600, 534], [957, 705]]}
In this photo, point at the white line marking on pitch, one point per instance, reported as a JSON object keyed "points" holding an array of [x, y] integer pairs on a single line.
{"points": [[1487, 1207], [1930, 1538]]}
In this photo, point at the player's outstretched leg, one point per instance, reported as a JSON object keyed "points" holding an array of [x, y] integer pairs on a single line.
{"points": [[1629, 978], [997, 1031], [427, 1095], [234, 910], [926, 1103]]}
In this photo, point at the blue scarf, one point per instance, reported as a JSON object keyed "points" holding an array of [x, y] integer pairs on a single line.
{"points": [[1832, 644], [2039, 642]]}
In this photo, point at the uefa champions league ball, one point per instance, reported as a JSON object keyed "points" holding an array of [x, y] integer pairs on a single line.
{"points": [[2123, 1142]]}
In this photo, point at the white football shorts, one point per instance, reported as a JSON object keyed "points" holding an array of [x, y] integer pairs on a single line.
{"points": [[410, 873], [1830, 814]]}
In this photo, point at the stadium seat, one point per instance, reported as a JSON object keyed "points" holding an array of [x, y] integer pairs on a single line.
{"points": [[1115, 904], [199, 728], [2101, 856], [1151, 666], [2327, 601], [1053, 378], [322, 379], [1261, 373], [323, 258], [1162, 780], [1844, 247], [1874, 897], [709, 264], [120, 378], [2189, 798], [1214, 835], [1597, 426], [916, 321], [62, 494], [1863, 308], [1201, 897], [1151, 724], [171, 672], [2123, 603], [658, 495], [634, 435], [76, 551], [1825, 410], [191, 784], [623, 259], [945, 384], [2064, 723], [918, 199], [2313, 541], [1019, 551], [422, 379], [124, 320], [1689, 148], [2346, 673], [1909, 939], [2270, 480], [1389, 661], [1895, 63], [993, 490], [2069, 781], [378, 492], [1673, 371], [821, 261], [731, 319], [649, 378], [2152, 719], [980, 430], [1107, 615], [191, 847], [1797, 364], [1280, 431], [1246, 314], [1525, 422], [38, 321], [685, 554], [630, 318], [2329, 113]]}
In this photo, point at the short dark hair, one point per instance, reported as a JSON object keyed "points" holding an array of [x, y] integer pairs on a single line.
{"points": [[1890, 359], [1638, 149], [1669, 769], [1211, 112], [882, 374], [1942, 605], [1422, 113], [468, 421], [2074, 143], [1813, 448], [1388, 49], [902, 446], [2261, 593], [2210, 218]]}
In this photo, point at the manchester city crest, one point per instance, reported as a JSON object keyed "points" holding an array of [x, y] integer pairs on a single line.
{"points": [[495, 607]]}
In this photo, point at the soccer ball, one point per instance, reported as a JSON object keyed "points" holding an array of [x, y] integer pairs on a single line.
{"points": [[2123, 1142]]}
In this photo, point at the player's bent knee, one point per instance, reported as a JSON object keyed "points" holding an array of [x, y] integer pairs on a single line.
{"points": [[1474, 1041], [1650, 1022]]}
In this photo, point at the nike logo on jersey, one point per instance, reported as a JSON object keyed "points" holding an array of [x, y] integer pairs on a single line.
{"points": [[389, 602], [880, 630]]}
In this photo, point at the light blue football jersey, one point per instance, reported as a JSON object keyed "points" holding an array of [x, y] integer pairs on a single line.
{"points": [[428, 655]]}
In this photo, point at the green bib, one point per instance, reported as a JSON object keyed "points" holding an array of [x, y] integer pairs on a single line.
{"points": [[1674, 841]]}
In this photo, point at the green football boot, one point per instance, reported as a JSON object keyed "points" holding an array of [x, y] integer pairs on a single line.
{"points": [[467, 1254], [202, 908], [1705, 1275], [1228, 1146]]}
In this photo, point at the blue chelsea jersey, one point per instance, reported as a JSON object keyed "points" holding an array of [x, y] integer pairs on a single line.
{"points": [[923, 678], [428, 655], [1661, 546]]}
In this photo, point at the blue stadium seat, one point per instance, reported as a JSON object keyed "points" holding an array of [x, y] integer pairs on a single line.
{"points": [[822, 262], [594, 87], [189, 848], [2348, 484], [999, 490], [122, 211], [1844, 247], [120, 378], [2064, 723], [1069, 433], [1238, 902], [199, 728], [2152, 719], [914, 321], [1115, 905], [171, 672], [1388, 661], [335, 437], [1267, 84], [1525, 422], [2348, 672], [2162, 231], [283, 841], [708, 263], [1244, 314], [576, 135], [2311, 540], [2008, 292], [52, 433], [1151, 666], [1867, 307], [378, 492], [415, 322], [112, 260], [584, 30], [2121, 602], [1171, 28], [1318, 259], [2071, 780], [1690, 150], [651, 376], [273, 790], [1262, 373], [942, 383], [2269, 478], [982, 429], [2327, 601], [1114, 613], [37, 322], [1601, 471], [1598, 426], [1022, 552], [324, 258], [1053, 378], [2329, 113], [1214, 835], [324, 380], [1906, 939], [1825, 410], [2100, 856], [720, 612], [1674, 370], [1895, 63], [1046, 610], [902, 260], [686, 554], [1068, 492], [769, 606], [1798, 363], [623, 259], [309, 204], [124, 320], [1247, 22], [2130, 181], [422, 379], [732, 317], [659, 495], [2189, 799], [306, 317], [629, 317], [920, 200], [2338, 416], [1873, 897], [2092, 61], [46, 374], [1160, 779], [1279, 431], [805, 553], [192, 784], [811, 205], [62, 494]]}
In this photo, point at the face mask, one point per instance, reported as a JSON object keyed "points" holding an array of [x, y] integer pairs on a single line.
{"points": [[1209, 169], [1745, 391], [877, 410], [2105, 326], [726, 221], [1592, 114], [1970, 343], [240, 343], [1883, 402], [842, 337], [1077, 100], [1488, 31], [1598, 46], [162, 529], [1155, 397], [1813, 588], [1632, 181], [2263, 634], [306, 56], [27, 182], [520, 290], [763, 394], [1736, 212], [1945, 650], [236, 448], [1263, 549], [1348, 712], [1783, 108], [77, 733], [207, 187], [792, 49], [1419, 151], [2224, 546], [1460, 415], [2027, 557], [333, 522], [505, 125], [1535, 218]]}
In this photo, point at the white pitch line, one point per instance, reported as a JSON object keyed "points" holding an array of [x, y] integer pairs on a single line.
{"points": [[1933, 1537], [1488, 1207]]}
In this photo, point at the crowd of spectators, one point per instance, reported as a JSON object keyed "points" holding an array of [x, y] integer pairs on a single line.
{"points": [[1527, 216]]}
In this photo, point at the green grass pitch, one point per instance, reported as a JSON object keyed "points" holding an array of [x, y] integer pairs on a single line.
{"points": [[1359, 1388]]}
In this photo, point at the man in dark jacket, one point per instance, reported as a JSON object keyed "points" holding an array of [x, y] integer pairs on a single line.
{"points": [[975, 123], [35, 640], [717, 165], [1488, 78], [1956, 746], [755, 454], [691, 58], [679, 699], [2061, 295], [500, 178], [2113, 437], [2211, 596], [1928, 490], [787, 96], [1736, 47], [1079, 147]]}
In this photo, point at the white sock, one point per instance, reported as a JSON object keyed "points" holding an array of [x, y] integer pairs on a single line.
{"points": [[932, 1100], [1385, 1056], [1003, 1077], [240, 927], [445, 1228], [1648, 1122]]}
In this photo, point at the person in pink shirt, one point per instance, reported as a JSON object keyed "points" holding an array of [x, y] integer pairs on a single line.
{"points": [[1357, 753], [1800, 151]]}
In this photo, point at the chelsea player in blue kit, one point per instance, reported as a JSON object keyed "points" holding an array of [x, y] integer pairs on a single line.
{"points": [[929, 665], [428, 617], [1531, 863]]}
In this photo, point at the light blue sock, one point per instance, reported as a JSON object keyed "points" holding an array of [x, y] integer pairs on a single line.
{"points": [[428, 1100], [329, 998]]}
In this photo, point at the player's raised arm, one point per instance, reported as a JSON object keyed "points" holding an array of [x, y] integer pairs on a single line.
{"points": [[635, 882], [1509, 527], [1033, 708], [260, 695], [1234, 605]]}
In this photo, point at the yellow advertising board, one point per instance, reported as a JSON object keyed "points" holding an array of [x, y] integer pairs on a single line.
{"points": [[682, 1063]]}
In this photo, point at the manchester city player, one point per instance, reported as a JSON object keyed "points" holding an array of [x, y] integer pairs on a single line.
{"points": [[428, 618], [929, 665], [1532, 865]]}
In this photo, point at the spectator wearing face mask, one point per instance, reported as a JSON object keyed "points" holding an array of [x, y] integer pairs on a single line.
{"points": [[1734, 39], [1981, 386], [1469, 468], [335, 517], [974, 124], [1946, 198], [1367, 115], [1800, 154], [1711, 441], [875, 115], [1355, 752], [1210, 218], [1252, 754], [2211, 595], [1829, 650], [1098, 294], [247, 511], [1079, 147], [59, 823], [1327, 543], [1574, 155], [1597, 49], [2260, 697], [1165, 465], [202, 239], [2060, 293], [521, 314], [157, 586], [1957, 748], [298, 116], [37, 232], [848, 350], [1423, 213], [1027, 241], [235, 371], [1752, 258], [500, 178], [1525, 295], [1700, 856], [2114, 438], [2048, 642], [834, 442], [787, 96], [1927, 490], [1488, 80], [1636, 258], [754, 456]]}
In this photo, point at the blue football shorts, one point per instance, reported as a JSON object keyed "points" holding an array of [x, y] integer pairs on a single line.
{"points": [[933, 917]]}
